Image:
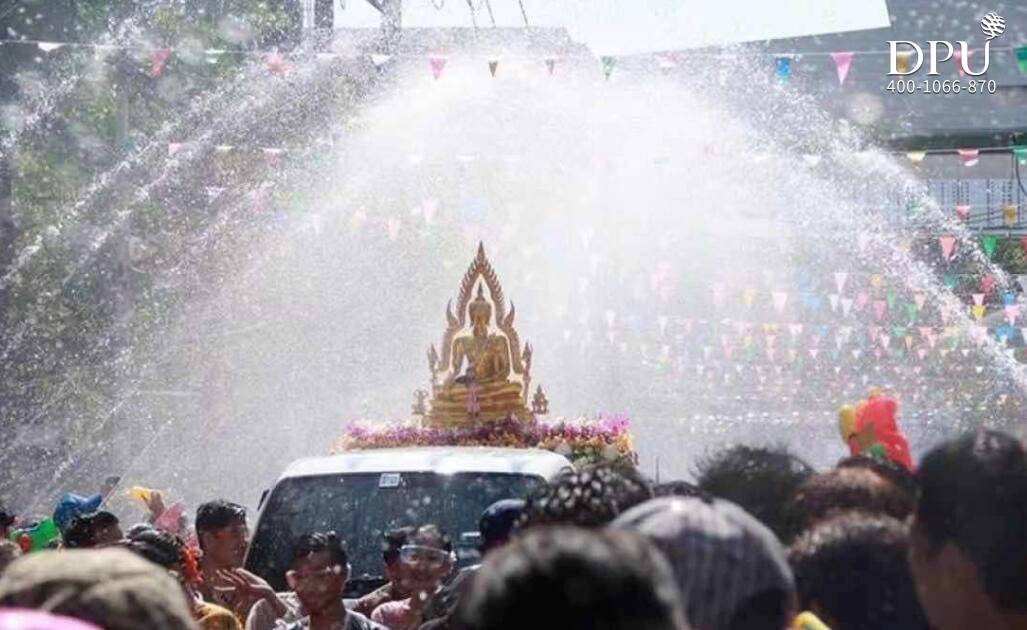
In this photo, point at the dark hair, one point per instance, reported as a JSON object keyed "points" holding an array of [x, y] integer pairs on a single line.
{"points": [[317, 542], [885, 468], [846, 489], [679, 488], [853, 566], [497, 523], [393, 540], [766, 609], [571, 578], [759, 479], [218, 514], [6, 518], [590, 497], [81, 532], [161, 548], [973, 494]]}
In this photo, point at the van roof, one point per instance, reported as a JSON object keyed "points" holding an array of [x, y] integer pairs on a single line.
{"points": [[440, 459]]}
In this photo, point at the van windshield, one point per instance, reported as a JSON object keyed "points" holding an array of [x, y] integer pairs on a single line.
{"points": [[361, 507]]}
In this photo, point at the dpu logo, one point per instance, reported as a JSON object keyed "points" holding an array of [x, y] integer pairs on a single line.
{"points": [[992, 25]]}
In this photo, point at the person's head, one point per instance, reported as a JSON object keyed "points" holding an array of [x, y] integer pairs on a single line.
{"points": [[96, 529], [968, 551], [222, 532], [590, 497], [497, 523], [112, 588], [165, 550], [759, 479], [730, 570], [427, 559], [847, 489], [392, 541], [563, 577], [6, 521], [8, 553], [887, 469], [318, 571], [851, 571]]}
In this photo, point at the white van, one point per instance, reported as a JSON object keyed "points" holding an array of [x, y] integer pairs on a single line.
{"points": [[361, 494]]}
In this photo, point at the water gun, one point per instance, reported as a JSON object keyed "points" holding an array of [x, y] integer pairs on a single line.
{"points": [[870, 428], [36, 537], [808, 621], [72, 505]]}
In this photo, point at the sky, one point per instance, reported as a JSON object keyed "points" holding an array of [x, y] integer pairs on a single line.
{"points": [[620, 27]]}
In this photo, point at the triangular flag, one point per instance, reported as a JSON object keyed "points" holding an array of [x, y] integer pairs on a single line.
{"points": [[948, 245], [988, 243], [839, 281], [174, 147], [780, 298], [493, 66], [436, 64], [879, 308], [550, 65], [842, 62], [608, 64], [380, 60], [1012, 312], [963, 212], [1009, 214], [49, 46], [978, 311], [749, 296], [833, 300], [846, 306], [916, 157], [969, 157], [920, 299], [957, 58], [158, 59], [987, 284], [862, 240], [1021, 58], [784, 68], [978, 298]]}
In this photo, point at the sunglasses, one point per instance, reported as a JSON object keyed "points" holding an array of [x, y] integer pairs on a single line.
{"points": [[420, 555]]}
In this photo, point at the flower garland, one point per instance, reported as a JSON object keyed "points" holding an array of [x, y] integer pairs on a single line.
{"points": [[603, 439]]}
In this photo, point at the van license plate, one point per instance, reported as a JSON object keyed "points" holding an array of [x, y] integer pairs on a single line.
{"points": [[389, 480]]}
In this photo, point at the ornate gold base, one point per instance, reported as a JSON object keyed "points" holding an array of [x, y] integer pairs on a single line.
{"points": [[466, 420]]}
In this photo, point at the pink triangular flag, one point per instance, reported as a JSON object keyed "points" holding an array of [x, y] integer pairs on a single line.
{"points": [[963, 212], [780, 299], [885, 341], [948, 244], [436, 63], [157, 60], [957, 58], [879, 308], [839, 281], [1012, 312], [969, 157], [978, 299], [920, 300], [813, 352], [842, 62]]}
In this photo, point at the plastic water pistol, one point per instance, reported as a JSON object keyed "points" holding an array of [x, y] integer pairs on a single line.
{"points": [[808, 621], [36, 537]]}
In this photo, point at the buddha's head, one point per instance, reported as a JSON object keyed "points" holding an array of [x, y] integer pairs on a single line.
{"points": [[480, 311]]}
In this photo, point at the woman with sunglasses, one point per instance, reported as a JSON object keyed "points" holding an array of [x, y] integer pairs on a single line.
{"points": [[426, 560]]}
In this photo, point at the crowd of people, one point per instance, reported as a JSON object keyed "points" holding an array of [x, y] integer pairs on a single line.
{"points": [[759, 541]]}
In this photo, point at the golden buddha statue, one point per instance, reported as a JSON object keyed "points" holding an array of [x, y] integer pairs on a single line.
{"points": [[482, 375]]}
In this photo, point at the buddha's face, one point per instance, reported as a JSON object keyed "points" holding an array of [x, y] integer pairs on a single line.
{"points": [[480, 318]]}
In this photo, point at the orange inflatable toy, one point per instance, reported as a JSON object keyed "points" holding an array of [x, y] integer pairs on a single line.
{"points": [[870, 428]]}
